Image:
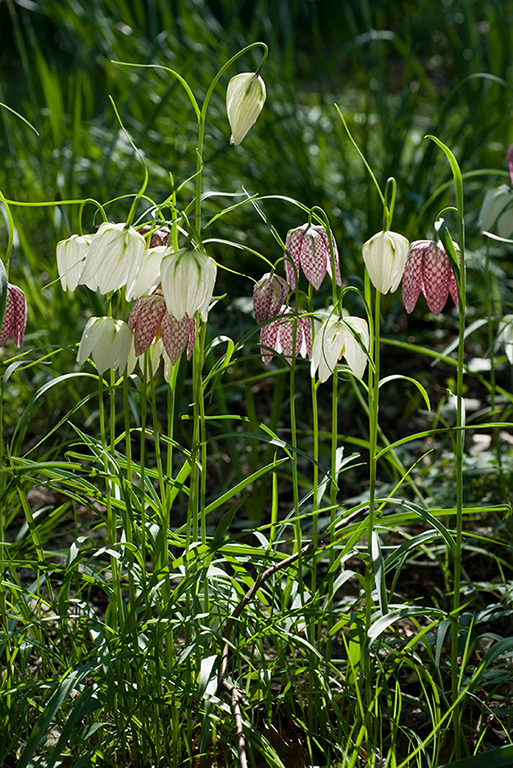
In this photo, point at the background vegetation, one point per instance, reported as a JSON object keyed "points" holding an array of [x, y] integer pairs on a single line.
{"points": [[80, 688]]}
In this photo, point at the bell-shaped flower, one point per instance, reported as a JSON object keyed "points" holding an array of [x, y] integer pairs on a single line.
{"points": [[245, 97], [114, 253], [71, 254], [150, 318], [309, 247], [289, 334], [188, 278], [15, 316], [505, 336], [385, 258], [336, 339], [269, 296], [108, 342], [429, 270]]}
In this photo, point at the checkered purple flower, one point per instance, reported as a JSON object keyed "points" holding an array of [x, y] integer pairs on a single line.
{"points": [[429, 270], [150, 318], [269, 295], [278, 336], [309, 247], [15, 316]]}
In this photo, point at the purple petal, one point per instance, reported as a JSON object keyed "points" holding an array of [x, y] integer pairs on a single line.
{"points": [[294, 245], [15, 316], [175, 334], [412, 278], [436, 275], [145, 318]]}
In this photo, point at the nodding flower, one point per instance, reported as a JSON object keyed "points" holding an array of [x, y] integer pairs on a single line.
{"points": [[289, 334], [335, 339], [245, 98], [309, 247], [429, 270], [385, 258]]}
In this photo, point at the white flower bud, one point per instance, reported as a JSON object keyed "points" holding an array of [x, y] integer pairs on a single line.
{"points": [[385, 258], [245, 97]]}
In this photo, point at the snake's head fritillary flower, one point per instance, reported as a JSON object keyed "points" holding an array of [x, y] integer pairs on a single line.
{"points": [[309, 247], [336, 339], [245, 98], [70, 259], [150, 319], [429, 270], [269, 296], [385, 258], [108, 342], [188, 278], [114, 253], [15, 316], [290, 334]]}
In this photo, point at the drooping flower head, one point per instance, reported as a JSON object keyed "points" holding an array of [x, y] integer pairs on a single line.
{"points": [[115, 251], [309, 247], [71, 254], [429, 270], [385, 258], [269, 296], [150, 319], [289, 334], [15, 316], [109, 343], [188, 279], [334, 340], [245, 98]]}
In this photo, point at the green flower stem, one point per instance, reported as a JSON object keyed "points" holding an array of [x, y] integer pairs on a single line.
{"points": [[112, 614], [128, 494], [202, 121]]}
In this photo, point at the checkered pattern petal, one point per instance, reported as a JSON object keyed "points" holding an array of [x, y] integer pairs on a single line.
{"points": [[412, 278], [175, 335], [269, 295], [305, 336], [15, 317], [145, 318], [436, 277], [294, 245], [268, 337], [326, 247], [315, 255]]}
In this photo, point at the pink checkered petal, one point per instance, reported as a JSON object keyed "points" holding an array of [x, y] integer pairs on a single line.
{"points": [[269, 295], [412, 278], [15, 317], [294, 246], [268, 340], [191, 336], [145, 319], [175, 334], [338, 279], [315, 256], [436, 275], [305, 336], [285, 339]]}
